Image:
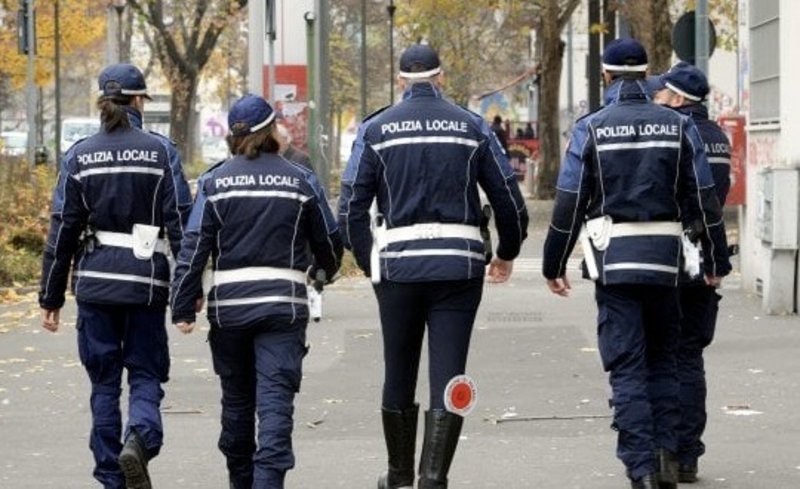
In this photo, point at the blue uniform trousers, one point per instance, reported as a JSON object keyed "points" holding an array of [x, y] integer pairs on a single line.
{"points": [[260, 369], [111, 338], [448, 308], [638, 331], [699, 307]]}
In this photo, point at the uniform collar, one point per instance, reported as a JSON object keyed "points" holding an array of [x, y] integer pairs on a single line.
{"points": [[134, 116], [622, 89], [422, 89], [695, 111]]}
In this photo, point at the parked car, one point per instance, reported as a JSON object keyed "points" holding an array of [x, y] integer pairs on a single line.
{"points": [[74, 129], [13, 143]]}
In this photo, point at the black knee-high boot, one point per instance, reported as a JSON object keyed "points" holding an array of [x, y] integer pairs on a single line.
{"points": [[442, 430], [400, 433]]}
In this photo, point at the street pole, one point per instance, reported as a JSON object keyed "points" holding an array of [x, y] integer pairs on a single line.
{"points": [[391, 9], [322, 90], [570, 74], [271, 56], [701, 36], [30, 89], [310, 19], [57, 28], [255, 43], [363, 58], [593, 64]]}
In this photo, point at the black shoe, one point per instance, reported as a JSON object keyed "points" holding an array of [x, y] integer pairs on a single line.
{"points": [[687, 473], [442, 430], [133, 462], [647, 482], [667, 470], [400, 433]]}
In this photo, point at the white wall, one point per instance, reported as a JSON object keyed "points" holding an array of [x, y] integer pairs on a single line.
{"points": [[290, 45]]}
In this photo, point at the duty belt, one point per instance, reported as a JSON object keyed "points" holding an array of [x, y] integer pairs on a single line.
{"points": [[125, 240], [432, 230], [254, 274]]}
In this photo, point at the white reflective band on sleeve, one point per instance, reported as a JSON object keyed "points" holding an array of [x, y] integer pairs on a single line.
{"points": [[253, 274], [433, 230], [719, 160], [247, 301], [121, 277], [638, 145], [119, 169], [624, 229], [125, 240], [652, 267], [426, 139], [280, 194], [433, 252]]}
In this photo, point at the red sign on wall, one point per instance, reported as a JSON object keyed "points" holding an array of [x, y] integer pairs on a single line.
{"points": [[734, 127]]}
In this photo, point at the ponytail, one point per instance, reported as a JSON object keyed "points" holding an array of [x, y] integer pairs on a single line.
{"points": [[112, 114]]}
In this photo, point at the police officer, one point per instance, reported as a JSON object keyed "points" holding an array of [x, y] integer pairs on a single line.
{"points": [[257, 215], [684, 87], [423, 161], [632, 170], [117, 216]]}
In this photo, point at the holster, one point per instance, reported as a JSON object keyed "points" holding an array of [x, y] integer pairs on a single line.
{"points": [[486, 233]]}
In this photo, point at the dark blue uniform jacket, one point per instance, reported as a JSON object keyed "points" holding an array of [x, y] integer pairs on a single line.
{"points": [[109, 182], [718, 150], [423, 159], [254, 217], [635, 161]]}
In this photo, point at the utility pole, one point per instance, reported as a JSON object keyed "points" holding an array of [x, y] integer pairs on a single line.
{"points": [[593, 63], [363, 58], [271, 56], [57, 15], [30, 88], [256, 12], [570, 74], [391, 9], [311, 20], [701, 36], [322, 132]]}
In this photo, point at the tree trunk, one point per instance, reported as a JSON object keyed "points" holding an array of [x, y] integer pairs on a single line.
{"points": [[184, 90], [651, 24], [550, 79]]}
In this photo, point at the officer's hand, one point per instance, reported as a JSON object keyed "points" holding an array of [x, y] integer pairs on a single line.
{"points": [[712, 281], [50, 319], [499, 270], [185, 327], [559, 286], [198, 304]]}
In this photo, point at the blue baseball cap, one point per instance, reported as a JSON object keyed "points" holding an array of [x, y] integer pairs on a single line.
{"points": [[420, 55], [687, 80], [625, 55], [251, 110], [122, 79]]}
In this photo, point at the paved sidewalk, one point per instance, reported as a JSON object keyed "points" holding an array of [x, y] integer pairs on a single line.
{"points": [[533, 355]]}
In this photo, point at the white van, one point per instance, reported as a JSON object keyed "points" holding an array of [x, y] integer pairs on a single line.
{"points": [[76, 128]]}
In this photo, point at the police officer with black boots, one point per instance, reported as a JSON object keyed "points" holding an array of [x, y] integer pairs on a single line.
{"points": [[633, 170], [117, 215], [684, 87], [266, 224], [423, 161]]}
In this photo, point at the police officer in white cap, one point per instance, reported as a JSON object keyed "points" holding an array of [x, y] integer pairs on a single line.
{"points": [[424, 160], [632, 171]]}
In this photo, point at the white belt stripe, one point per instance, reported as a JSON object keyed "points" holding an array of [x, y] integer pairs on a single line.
{"points": [[434, 252], [259, 193], [638, 145], [426, 139], [252, 274], [641, 266], [119, 169], [720, 160], [122, 277], [247, 301]]}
